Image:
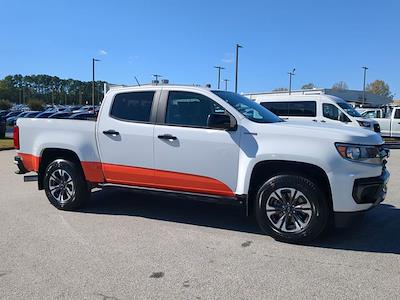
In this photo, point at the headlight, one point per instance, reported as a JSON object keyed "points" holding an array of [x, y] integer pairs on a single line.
{"points": [[364, 123], [367, 154]]}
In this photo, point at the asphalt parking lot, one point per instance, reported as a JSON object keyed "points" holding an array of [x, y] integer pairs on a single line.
{"points": [[129, 245]]}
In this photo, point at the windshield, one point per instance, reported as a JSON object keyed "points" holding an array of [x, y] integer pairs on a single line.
{"points": [[349, 109], [248, 108]]}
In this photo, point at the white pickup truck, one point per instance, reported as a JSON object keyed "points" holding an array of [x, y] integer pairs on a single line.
{"points": [[389, 122], [297, 179]]}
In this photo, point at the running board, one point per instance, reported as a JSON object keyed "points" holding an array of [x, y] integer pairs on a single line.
{"points": [[235, 200]]}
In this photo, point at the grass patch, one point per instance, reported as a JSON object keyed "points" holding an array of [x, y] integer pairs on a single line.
{"points": [[6, 143]]}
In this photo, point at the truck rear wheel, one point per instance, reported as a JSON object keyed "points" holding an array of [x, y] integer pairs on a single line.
{"points": [[65, 185], [291, 208]]}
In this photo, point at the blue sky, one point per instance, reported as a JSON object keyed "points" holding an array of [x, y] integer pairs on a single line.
{"points": [[326, 41]]}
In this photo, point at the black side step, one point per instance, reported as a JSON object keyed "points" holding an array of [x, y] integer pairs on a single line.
{"points": [[29, 178]]}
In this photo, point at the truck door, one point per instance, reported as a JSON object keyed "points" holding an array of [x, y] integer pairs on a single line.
{"points": [[395, 126], [125, 138], [189, 156]]}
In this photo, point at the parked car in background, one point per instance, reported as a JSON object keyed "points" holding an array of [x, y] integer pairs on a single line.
{"points": [[83, 116], [27, 114], [317, 108], [60, 115], [45, 114], [295, 178], [372, 113], [389, 122], [10, 121]]}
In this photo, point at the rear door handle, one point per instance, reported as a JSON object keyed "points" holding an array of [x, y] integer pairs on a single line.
{"points": [[110, 132], [169, 137]]}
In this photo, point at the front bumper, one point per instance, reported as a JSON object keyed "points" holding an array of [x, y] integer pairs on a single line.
{"points": [[371, 190]]}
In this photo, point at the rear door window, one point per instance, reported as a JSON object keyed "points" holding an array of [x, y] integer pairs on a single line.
{"points": [[133, 106]]}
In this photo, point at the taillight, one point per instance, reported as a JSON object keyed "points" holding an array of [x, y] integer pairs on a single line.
{"points": [[16, 137]]}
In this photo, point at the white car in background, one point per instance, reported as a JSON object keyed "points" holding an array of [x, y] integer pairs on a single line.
{"points": [[388, 119], [317, 108]]}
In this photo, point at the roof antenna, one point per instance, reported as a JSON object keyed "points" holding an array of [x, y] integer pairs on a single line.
{"points": [[137, 81]]}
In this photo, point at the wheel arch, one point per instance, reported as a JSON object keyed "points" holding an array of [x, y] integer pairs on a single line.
{"points": [[264, 170], [50, 154]]}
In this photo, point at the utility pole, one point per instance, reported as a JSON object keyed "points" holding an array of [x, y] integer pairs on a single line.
{"points": [[365, 76], [156, 76], [93, 83], [219, 68], [290, 80], [226, 84], [237, 66]]}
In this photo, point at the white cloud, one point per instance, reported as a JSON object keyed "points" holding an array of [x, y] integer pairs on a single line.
{"points": [[103, 52]]}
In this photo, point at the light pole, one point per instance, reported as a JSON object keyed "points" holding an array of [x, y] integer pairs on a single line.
{"points": [[237, 66], [156, 76], [226, 84], [365, 76], [219, 68], [93, 84], [290, 80]]}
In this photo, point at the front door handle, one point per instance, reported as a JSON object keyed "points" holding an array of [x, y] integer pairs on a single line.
{"points": [[110, 132], [323, 121], [169, 137]]}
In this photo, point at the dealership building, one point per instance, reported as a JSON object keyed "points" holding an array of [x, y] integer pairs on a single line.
{"points": [[354, 97]]}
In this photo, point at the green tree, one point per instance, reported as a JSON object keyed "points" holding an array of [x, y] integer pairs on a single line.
{"points": [[280, 89], [308, 86], [340, 86], [379, 87], [35, 104], [5, 104]]}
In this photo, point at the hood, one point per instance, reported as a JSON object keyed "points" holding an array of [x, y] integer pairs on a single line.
{"points": [[309, 130]]}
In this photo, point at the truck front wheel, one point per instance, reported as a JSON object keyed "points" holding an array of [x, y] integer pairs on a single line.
{"points": [[65, 185], [291, 208]]}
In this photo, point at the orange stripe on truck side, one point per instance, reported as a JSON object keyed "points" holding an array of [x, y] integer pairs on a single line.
{"points": [[165, 180], [31, 162], [191, 183], [97, 172], [93, 171]]}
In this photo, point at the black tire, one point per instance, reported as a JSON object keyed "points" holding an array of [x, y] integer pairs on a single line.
{"points": [[305, 215], [70, 180]]}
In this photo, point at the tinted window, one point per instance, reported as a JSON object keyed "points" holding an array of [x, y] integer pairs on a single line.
{"points": [[135, 106], [248, 108], [349, 109], [278, 108], [293, 109], [397, 114], [190, 109], [330, 111]]}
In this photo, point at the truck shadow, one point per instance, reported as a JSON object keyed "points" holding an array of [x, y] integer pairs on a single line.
{"points": [[378, 232]]}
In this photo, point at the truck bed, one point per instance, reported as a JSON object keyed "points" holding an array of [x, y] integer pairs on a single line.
{"points": [[75, 135]]}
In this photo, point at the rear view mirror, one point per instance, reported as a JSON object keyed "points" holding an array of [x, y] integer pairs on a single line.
{"points": [[220, 121]]}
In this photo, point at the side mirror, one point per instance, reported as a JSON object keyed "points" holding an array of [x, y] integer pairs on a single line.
{"points": [[220, 121]]}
